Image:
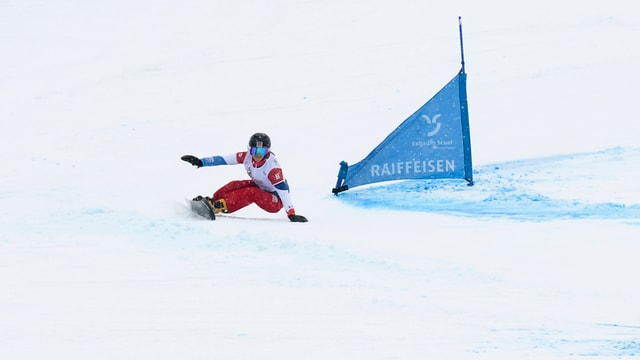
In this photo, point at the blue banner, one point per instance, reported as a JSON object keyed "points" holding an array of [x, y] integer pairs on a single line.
{"points": [[432, 143]]}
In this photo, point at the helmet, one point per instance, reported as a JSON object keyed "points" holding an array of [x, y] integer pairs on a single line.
{"points": [[260, 140]]}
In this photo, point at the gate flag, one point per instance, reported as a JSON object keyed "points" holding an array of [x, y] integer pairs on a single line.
{"points": [[432, 143]]}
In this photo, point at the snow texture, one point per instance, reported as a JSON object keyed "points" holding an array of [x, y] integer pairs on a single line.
{"points": [[100, 258]]}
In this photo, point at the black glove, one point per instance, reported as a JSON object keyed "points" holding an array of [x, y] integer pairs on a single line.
{"points": [[297, 218], [193, 160]]}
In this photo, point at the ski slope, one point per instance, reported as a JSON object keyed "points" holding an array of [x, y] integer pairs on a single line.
{"points": [[100, 258]]}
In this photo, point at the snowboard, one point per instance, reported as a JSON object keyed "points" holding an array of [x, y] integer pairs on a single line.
{"points": [[200, 206]]}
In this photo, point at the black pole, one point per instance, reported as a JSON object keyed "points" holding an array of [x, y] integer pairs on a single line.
{"points": [[461, 47]]}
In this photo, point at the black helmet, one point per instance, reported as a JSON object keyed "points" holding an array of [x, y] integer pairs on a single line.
{"points": [[260, 140]]}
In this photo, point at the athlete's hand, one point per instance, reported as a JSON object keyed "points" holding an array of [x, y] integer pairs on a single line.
{"points": [[297, 218], [192, 160]]}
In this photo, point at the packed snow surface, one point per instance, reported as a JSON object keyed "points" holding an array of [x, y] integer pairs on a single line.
{"points": [[100, 257]]}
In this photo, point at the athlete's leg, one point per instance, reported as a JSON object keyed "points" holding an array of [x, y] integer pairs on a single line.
{"points": [[241, 193]]}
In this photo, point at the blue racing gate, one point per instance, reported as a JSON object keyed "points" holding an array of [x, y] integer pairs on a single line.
{"points": [[432, 143]]}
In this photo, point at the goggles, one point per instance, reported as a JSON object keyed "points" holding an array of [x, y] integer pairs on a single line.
{"points": [[262, 151]]}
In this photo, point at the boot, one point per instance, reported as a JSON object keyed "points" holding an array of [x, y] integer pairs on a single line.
{"points": [[218, 206]]}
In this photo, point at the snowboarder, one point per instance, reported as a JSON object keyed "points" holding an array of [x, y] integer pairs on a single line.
{"points": [[267, 188]]}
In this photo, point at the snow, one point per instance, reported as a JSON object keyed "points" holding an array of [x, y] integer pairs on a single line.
{"points": [[100, 258]]}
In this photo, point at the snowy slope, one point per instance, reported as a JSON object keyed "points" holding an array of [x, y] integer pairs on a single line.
{"points": [[100, 258]]}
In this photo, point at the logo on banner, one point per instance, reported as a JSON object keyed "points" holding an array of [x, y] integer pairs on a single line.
{"points": [[434, 125], [431, 122]]}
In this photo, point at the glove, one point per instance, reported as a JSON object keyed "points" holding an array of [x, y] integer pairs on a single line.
{"points": [[297, 218], [193, 160]]}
